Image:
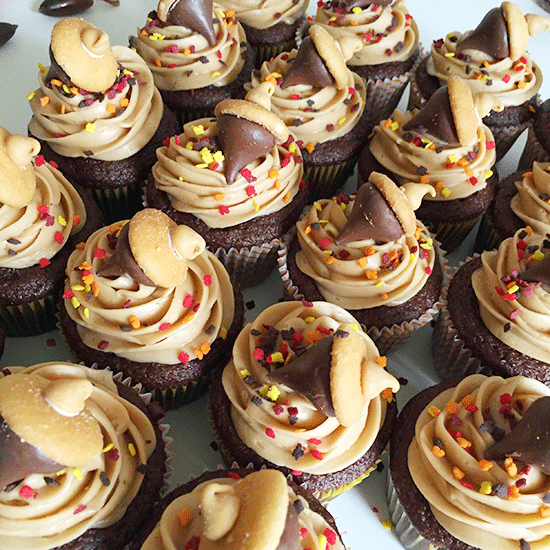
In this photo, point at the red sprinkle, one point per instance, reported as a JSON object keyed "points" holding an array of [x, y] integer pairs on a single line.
{"points": [[259, 354], [505, 398], [270, 433], [44, 262], [330, 535], [490, 145], [27, 492], [68, 294], [314, 441], [224, 209], [79, 509], [466, 484], [324, 242], [54, 164], [193, 543], [183, 357], [233, 475], [165, 326], [39, 160], [58, 237], [207, 280], [303, 533], [316, 454], [103, 344], [188, 301], [250, 191], [99, 253]]}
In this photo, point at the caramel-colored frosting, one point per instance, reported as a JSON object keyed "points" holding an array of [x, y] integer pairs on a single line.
{"points": [[191, 171], [169, 532], [41, 228], [106, 126], [282, 425], [147, 323], [361, 274], [265, 14], [181, 59], [513, 81], [312, 114], [388, 33], [490, 505], [44, 512], [455, 171], [515, 311], [531, 203]]}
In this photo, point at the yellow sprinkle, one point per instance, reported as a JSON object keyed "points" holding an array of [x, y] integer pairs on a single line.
{"points": [[317, 206], [452, 158], [77, 288], [90, 127], [223, 333], [445, 192], [107, 448], [215, 74], [309, 320], [341, 121], [394, 126], [486, 488], [322, 542], [61, 473], [75, 303], [357, 10], [244, 373], [86, 313], [379, 284], [433, 411], [185, 517], [42, 69], [355, 327], [488, 174], [198, 130], [449, 54], [292, 148], [66, 89], [30, 95], [132, 449], [189, 146], [218, 156], [255, 206], [412, 258], [387, 525], [77, 473], [156, 36], [202, 165]]}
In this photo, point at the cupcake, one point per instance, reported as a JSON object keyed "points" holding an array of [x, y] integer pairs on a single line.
{"points": [[522, 200], [537, 146], [43, 217], [236, 180], [492, 59], [305, 393], [368, 254], [83, 458], [322, 103], [223, 509], [198, 56], [389, 50], [446, 145], [146, 299], [271, 27], [495, 313], [469, 466], [98, 115]]}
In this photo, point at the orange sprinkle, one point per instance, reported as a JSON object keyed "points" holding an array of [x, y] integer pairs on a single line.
{"points": [[277, 184], [331, 260], [73, 90], [544, 511], [439, 184], [393, 254], [463, 442], [124, 102], [369, 251], [44, 100], [388, 122], [354, 23], [417, 233], [463, 162], [199, 354], [437, 451], [188, 317], [56, 82], [458, 473], [310, 147], [187, 51], [134, 322], [522, 84], [468, 401], [77, 218], [84, 266], [88, 279], [143, 32], [95, 288], [526, 174], [80, 246], [157, 62], [63, 109], [486, 64], [205, 347], [425, 178], [286, 199], [230, 13], [313, 336], [469, 172], [271, 78], [371, 274], [307, 230], [219, 196], [510, 467], [381, 360], [363, 262], [384, 296], [273, 174], [452, 407], [387, 394], [110, 108], [513, 492], [185, 517], [114, 228], [485, 465], [529, 230]]}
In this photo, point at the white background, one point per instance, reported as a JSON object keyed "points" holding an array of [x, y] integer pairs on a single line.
{"points": [[19, 60]]}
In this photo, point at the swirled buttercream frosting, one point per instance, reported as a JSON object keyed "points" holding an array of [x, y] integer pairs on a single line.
{"points": [[109, 125], [140, 321], [48, 509], [183, 59], [267, 13], [514, 301], [389, 33], [486, 498], [276, 410]]}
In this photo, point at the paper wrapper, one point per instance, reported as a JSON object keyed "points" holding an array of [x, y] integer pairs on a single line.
{"points": [[451, 234], [487, 236], [31, 318], [385, 339], [533, 151], [505, 136], [119, 203], [174, 398], [325, 180]]}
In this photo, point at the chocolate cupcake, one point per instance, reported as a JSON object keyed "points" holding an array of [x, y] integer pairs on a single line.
{"points": [[491, 58], [368, 254], [537, 146], [494, 314], [146, 299], [99, 117], [522, 200], [322, 102], [198, 56], [228, 506], [305, 393], [469, 465], [236, 180], [446, 145], [389, 49], [82, 458], [43, 218]]}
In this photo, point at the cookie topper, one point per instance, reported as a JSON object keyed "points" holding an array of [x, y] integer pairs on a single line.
{"points": [[17, 178], [196, 15]]}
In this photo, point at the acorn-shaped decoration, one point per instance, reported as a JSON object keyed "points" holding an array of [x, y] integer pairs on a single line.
{"points": [[40, 421], [197, 15], [153, 250], [81, 56], [537, 271], [17, 178], [529, 440], [382, 211], [321, 61], [247, 129], [503, 32]]}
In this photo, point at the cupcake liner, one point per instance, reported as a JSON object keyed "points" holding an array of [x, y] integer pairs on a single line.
{"points": [[324, 180], [119, 203], [451, 356], [416, 99], [265, 52], [451, 234], [506, 136], [487, 236], [188, 116], [249, 266], [31, 318], [533, 151], [174, 398]]}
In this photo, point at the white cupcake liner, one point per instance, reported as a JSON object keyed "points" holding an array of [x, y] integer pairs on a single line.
{"points": [[532, 152]]}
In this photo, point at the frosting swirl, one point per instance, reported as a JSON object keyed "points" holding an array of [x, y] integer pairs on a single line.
{"points": [[46, 512], [190, 170], [530, 204], [361, 274], [455, 171], [389, 33], [515, 311], [280, 424], [312, 114], [41, 228], [491, 505], [267, 13], [147, 323], [107, 126], [181, 59]]}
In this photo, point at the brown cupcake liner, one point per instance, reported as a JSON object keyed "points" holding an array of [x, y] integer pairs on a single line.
{"points": [[487, 236], [451, 234], [506, 136], [416, 99], [532, 152], [174, 398], [119, 203], [324, 180], [188, 116], [265, 52], [30, 319]]}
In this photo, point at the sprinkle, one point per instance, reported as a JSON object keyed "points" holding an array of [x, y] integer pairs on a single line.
{"points": [[183, 357], [510, 467], [134, 322], [132, 449], [433, 411], [270, 433], [79, 509], [90, 127], [27, 492], [544, 511], [316, 454], [386, 524], [207, 279], [44, 262], [224, 209], [310, 147], [77, 473], [185, 517], [381, 360], [486, 488], [485, 465], [103, 344]]}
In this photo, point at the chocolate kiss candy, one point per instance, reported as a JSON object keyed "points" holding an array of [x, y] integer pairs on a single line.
{"points": [[529, 440], [195, 15], [309, 375], [371, 218], [348, 5], [56, 72], [308, 67], [242, 141], [538, 272], [435, 119], [122, 261], [490, 36]]}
